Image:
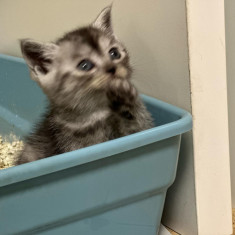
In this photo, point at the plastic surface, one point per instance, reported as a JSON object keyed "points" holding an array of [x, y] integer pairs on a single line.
{"points": [[116, 187]]}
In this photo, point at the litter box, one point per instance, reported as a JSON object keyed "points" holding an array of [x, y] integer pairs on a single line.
{"points": [[112, 188]]}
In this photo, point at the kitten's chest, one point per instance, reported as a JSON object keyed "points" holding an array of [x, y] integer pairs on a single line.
{"points": [[97, 127], [83, 131]]}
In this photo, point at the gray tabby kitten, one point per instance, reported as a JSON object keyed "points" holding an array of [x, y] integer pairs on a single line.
{"points": [[86, 77]]}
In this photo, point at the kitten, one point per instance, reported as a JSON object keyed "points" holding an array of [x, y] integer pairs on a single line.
{"points": [[86, 77]]}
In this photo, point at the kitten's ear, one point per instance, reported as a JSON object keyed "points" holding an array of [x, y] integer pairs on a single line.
{"points": [[103, 21], [38, 56]]}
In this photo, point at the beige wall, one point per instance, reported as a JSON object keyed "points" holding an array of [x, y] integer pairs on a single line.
{"points": [[230, 46], [153, 31]]}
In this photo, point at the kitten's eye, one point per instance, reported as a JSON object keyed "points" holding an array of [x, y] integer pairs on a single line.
{"points": [[114, 53], [85, 65]]}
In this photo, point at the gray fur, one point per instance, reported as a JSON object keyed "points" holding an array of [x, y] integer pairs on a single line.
{"points": [[85, 107]]}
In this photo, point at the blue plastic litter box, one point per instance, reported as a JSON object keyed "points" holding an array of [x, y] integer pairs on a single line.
{"points": [[112, 188]]}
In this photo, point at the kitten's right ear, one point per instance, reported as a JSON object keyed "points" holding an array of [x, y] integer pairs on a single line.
{"points": [[38, 56], [103, 21]]}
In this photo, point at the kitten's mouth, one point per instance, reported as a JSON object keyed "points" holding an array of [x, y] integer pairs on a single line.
{"points": [[121, 73], [102, 81]]}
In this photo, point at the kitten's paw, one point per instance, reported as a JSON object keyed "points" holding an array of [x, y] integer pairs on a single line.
{"points": [[121, 91]]}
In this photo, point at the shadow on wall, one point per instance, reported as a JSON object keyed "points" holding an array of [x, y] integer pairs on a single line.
{"points": [[174, 205]]}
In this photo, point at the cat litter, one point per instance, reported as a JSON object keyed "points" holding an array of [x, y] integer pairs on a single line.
{"points": [[9, 151]]}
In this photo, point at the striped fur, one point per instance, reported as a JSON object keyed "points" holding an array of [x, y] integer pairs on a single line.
{"points": [[85, 107]]}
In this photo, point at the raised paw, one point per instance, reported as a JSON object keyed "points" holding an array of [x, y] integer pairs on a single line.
{"points": [[121, 92]]}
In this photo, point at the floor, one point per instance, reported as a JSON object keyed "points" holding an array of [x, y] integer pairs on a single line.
{"points": [[172, 232], [163, 230]]}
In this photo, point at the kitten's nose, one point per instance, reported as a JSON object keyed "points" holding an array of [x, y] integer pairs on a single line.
{"points": [[111, 70]]}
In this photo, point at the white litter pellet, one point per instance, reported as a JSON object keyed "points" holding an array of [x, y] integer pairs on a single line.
{"points": [[9, 151]]}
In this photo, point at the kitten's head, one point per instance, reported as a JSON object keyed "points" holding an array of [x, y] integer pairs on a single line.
{"points": [[80, 64]]}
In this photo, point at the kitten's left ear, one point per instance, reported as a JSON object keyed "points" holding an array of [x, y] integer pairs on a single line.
{"points": [[38, 56], [103, 21]]}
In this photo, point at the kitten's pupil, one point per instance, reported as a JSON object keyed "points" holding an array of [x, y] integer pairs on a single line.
{"points": [[85, 65], [114, 53]]}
